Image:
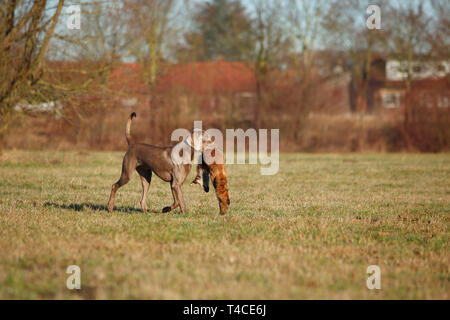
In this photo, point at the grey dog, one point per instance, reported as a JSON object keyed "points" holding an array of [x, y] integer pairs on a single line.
{"points": [[146, 159]]}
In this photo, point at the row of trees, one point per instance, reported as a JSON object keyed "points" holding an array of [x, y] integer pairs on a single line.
{"points": [[267, 35]]}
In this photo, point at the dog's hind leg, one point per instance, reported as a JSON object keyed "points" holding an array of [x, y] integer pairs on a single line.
{"points": [[128, 166], [146, 178]]}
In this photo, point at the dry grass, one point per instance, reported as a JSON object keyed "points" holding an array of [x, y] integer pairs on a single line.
{"points": [[308, 232], [330, 133]]}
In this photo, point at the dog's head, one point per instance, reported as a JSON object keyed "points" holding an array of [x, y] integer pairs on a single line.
{"points": [[199, 140]]}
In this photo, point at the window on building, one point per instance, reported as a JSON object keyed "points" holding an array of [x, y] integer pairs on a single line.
{"points": [[444, 101], [391, 100]]}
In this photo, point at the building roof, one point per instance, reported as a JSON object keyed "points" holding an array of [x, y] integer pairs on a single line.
{"points": [[209, 77]]}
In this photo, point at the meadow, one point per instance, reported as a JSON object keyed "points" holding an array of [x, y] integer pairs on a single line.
{"points": [[309, 231]]}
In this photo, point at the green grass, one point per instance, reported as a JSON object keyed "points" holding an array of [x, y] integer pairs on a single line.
{"points": [[308, 232]]}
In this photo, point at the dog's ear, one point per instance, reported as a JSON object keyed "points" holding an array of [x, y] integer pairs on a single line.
{"points": [[197, 139], [208, 142], [206, 137]]}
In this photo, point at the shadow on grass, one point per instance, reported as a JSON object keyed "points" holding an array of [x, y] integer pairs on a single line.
{"points": [[91, 206]]}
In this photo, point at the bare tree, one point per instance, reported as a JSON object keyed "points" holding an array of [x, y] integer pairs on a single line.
{"points": [[439, 38], [270, 44], [410, 27], [347, 31], [150, 25], [305, 21], [25, 32]]}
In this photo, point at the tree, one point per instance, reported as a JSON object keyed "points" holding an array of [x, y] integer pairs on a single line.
{"points": [[439, 38], [150, 23], [270, 45], [305, 23], [80, 64], [346, 23], [25, 32], [304, 29], [222, 28], [410, 27], [409, 42]]}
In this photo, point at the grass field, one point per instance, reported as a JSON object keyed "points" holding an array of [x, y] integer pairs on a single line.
{"points": [[310, 231]]}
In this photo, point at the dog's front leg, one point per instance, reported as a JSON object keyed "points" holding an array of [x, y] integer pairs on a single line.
{"points": [[175, 204], [180, 197], [197, 179], [180, 175], [202, 178]]}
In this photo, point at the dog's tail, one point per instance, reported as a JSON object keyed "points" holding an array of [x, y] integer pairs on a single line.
{"points": [[128, 129]]}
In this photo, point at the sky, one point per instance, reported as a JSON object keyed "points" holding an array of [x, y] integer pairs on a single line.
{"points": [[62, 28]]}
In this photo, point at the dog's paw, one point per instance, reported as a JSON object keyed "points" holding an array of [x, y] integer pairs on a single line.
{"points": [[166, 209], [195, 181]]}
